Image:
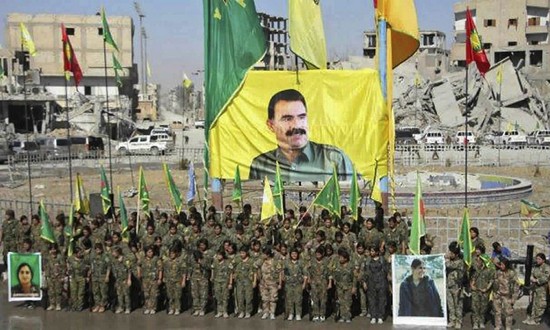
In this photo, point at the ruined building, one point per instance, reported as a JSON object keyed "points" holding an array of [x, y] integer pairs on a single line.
{"points": [[40, 79]]}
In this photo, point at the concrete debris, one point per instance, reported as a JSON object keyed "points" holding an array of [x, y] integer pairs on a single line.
{"points": [[440, 103]]}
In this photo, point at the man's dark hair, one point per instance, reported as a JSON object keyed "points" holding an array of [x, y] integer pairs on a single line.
{"points": [[416, 263], [286, 95]]}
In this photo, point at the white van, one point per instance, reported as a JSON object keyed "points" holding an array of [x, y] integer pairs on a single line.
{"points": [[460, 137], [433, 137]]}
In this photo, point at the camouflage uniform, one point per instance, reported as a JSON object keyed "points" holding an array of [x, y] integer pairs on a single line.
{"points": [[55, 268], [343, 275], [359, 261], [269, 273], [376, 273], [120, 269], [174, 272], [504, 288], [455, 275], [220, 280], [294, 274], [150, 268], [482, 280], [372, 237], [318, 276], [10, 234], [100, 287], [541, 274], [199, 275], [78, 271], [244, 276]]}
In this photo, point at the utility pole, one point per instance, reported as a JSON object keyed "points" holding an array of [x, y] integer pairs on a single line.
{"points": [[142, 56]]}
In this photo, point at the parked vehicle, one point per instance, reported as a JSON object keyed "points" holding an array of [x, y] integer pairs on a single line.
{"points": [[5, 150], [146, 144], [404, 137], [160, 130], [48, 147], [539, 137], [460, 137], [512, 137], [23, 149], [433, 137], [199, 124], [81, 147]]}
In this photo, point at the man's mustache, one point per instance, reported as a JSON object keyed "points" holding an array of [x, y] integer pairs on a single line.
{"points": [[295, 131]]}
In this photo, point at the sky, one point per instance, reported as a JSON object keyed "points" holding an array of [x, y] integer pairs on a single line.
{"points": [[175, 27]]}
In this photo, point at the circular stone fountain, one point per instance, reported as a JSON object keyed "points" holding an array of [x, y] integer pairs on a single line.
{"points": [[441, 189]]}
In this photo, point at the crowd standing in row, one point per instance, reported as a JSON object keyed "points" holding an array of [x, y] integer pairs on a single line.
{"points": [[296, 265]]}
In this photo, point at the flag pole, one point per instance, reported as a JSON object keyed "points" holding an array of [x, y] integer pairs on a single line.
{"points": [[466, 144], [26, 125], [108, 119], [69, 143]]}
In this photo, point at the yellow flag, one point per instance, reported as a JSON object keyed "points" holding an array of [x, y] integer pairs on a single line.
{"points": [[403, 24], [81, 201], [307, 36], [376, 192], [149, 74], [268, 205], [186, 81], [499, 75], [26, 39], [417, 79]]}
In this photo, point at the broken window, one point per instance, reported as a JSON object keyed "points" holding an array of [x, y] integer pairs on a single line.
{"points": [[490, 22], [513, 22], [533, 21], [535, 58], [100, 31], [70, 31], [487, 45], [87, 90], [512, 43]]}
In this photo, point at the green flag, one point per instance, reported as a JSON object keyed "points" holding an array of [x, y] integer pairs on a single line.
{"points": [[418, 227], [143, 193], [237, 187], [46, 232], [173, 189], [123, 215], [354, 196], [105, 192], [117, 67], [329, 196], [465, 238], [234, 41], [278, 191], [107, 36]]}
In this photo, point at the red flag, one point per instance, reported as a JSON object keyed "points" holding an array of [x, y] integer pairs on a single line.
{"points": [[474, 49], [70, 63]]}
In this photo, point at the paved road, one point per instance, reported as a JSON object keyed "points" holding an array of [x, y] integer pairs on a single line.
{"points": [[15, 317]]}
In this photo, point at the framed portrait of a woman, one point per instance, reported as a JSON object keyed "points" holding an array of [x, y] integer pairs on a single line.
{"points": [[24, 276]]}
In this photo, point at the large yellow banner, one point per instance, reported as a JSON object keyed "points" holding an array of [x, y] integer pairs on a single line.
{"points": [[308, 123]]}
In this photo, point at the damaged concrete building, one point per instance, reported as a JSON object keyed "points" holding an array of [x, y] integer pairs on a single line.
{"points": [[39, 81]]}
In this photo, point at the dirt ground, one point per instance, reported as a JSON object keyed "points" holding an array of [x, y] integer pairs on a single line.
{"points": [[56, 189]]}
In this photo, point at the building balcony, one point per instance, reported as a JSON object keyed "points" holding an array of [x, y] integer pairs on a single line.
{"points": [[537, 3], [536, 29]]}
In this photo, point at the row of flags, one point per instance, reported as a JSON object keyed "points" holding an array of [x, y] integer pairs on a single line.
{"points": [[70, 62]]}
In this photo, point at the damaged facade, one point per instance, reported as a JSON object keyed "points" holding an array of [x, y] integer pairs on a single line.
{"points": [[40, 81]]}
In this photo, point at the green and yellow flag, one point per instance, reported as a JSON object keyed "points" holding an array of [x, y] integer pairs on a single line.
{"points": [[46, 232], [307, 35], [237, 187], [268, 204], [81, 201], [105, 192], [173, 189], [329, 197], [107, 36], [465, 238], [278, 191], [529, 213], [418, 227], [123, 216], [234, 42], [26, 40], [376, 191], [143, 193], [354, 196]]}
